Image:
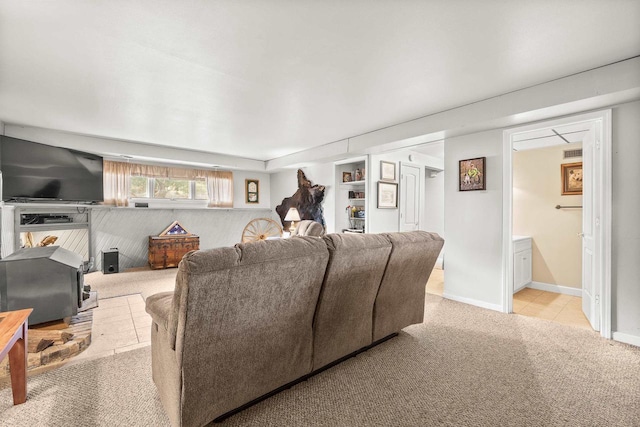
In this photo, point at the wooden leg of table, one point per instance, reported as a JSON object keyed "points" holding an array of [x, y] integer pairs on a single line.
{"points": [[18, 367]]}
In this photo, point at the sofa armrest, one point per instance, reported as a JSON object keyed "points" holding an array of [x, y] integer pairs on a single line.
{"points": [[159, 307]]}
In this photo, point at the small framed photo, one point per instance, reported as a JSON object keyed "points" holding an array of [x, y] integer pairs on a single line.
{"points": [[472, 174], [387, 171], [347, 177], [571, 179], [252, 190], [387, 195]]}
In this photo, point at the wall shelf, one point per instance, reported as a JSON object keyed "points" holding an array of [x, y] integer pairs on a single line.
{"points": [[353, 183], [351, 196], [54, 226]]}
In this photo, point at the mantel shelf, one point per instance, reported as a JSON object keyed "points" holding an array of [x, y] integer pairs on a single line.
{"points": [[358, 200]]}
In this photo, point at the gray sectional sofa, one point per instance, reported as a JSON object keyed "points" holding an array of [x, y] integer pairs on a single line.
{"points": [[248, 320]]}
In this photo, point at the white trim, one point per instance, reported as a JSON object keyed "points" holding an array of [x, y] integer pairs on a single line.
{"points": [[558, 289], [627, 338], [605, 213], [471, 301]]}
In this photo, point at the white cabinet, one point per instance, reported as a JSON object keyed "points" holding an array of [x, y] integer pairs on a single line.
{"points": [[521, 262]]}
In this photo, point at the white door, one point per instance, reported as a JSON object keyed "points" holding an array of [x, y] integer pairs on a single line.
{"points": [[409, 197], [591, 170]]}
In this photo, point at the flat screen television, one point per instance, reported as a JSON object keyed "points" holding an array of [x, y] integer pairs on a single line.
{"points": [[39, 172]]}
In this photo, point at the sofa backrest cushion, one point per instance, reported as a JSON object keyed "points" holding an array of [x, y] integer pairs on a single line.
{"points": [[343, 320], [247, 321], [400, 300]]}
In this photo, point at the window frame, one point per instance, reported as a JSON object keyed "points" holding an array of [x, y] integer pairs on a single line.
{"points": [[160, 201]]}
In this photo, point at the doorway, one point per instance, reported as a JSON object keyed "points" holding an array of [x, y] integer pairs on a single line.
{"points": [[547, 225], [596, 229]]}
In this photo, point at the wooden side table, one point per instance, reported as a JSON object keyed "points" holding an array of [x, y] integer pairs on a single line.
{"points": [[13, 340]]}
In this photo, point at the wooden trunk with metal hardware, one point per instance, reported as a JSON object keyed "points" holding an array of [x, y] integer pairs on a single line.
{"points": [[167, 251]]}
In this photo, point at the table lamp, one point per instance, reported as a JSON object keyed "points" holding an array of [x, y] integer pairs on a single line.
{"points": [[293, 215]]}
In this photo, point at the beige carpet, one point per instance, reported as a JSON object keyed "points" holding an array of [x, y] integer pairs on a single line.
{"points": [[465, 366]]}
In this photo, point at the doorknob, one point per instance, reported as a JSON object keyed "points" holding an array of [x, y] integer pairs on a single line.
{"points": [[580, 234]]}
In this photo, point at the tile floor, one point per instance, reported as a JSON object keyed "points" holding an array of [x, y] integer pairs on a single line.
{"points": [[435, 284], [559, 308], [119, 324]]}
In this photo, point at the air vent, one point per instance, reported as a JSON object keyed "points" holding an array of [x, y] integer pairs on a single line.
{"points": [[569, 154]]}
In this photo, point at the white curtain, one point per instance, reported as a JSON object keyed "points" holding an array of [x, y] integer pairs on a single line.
{"points": [[116, 183], [220, 189]]}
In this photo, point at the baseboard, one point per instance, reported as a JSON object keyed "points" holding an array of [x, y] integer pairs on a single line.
{"points": [[627, 338], [576, 292], [471, 301]]}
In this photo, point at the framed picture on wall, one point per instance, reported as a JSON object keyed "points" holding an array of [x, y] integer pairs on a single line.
{"points": [[387, 171], [571, 174], [252, 190], [387, 195], [472, 174]]}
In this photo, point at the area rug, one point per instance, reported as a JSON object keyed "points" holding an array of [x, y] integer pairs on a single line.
{"points": [[465, 366]]}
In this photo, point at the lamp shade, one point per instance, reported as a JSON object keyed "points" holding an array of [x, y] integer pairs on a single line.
{"points": [[292, 215]]}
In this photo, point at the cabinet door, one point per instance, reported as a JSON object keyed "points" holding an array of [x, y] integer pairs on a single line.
{"points": [[521, 269], [526, 267]]}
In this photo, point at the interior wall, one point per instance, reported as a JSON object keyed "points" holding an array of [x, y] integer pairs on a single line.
{"points": [[625, 242], [388, 220], [473, 222], [556, 244], [128, 229], [434, 203], [264, 190]]}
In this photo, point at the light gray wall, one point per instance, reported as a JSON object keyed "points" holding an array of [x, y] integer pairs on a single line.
{"points": [[473, 223], [264, 189], [128, 229], [434, 203], [625, 254]]}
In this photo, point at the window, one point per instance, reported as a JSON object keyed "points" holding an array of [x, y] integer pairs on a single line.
{"points": [[124, 181], [168, 188]]}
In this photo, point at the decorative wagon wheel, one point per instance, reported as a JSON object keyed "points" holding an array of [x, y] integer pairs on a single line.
{"points": [[261, 229]]}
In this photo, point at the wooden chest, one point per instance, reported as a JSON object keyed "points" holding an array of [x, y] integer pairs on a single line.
{"points": [[167, 251]]}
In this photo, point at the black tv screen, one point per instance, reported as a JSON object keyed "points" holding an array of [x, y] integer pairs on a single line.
{"points": [[33, 171]]}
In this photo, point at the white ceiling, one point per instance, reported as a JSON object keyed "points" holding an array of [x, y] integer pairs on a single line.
{"points": [[262, 79]]}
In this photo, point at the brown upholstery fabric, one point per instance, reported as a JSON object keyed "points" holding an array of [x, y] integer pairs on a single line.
{"points": [[243, 318], [343, 321], [400, 300], [246, 320], [309, 228], [159, 307], [166, 373]]}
